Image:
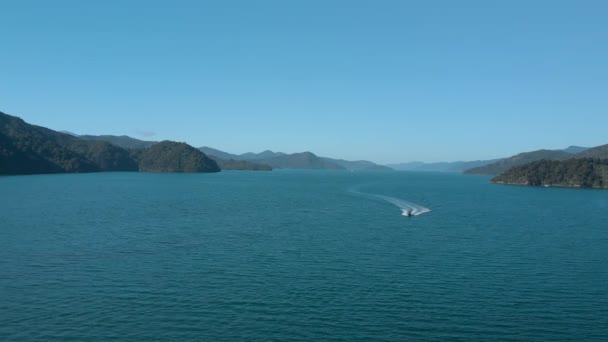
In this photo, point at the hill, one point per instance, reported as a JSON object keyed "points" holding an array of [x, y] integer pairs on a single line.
{"points": [[584, 172], [229, 161], [245, 156], [596, 152], [120, 141], [295, 160], [503, 165], [260, 156], [30, 149], [215, 153], [169, 156], [303, 160]]}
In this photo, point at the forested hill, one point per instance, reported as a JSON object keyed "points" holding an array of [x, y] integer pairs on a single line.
{"points": [[169, 156], [582, 172], [30, 149]]}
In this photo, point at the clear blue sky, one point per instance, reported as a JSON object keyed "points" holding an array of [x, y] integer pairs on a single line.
{"points": [[387, 81]]}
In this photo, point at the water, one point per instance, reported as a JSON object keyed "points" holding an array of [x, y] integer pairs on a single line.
{"points": [[299, 256]]}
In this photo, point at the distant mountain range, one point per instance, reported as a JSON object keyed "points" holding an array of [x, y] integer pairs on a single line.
{"points": [[302, 160], [245, 156], [30, 149], [263, 161], [225, 163]]}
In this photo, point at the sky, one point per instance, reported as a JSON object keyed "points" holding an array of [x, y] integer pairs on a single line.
{"points": [[387, 81]]}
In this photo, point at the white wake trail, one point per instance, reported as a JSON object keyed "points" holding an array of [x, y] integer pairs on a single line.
{"points": [[407, 208]]}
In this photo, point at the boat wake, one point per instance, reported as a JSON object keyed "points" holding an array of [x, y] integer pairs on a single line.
{"points": [[407, 208]]}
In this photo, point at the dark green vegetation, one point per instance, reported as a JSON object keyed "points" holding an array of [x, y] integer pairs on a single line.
{"points": [[168, 156], [584, 172], [30, 149]]}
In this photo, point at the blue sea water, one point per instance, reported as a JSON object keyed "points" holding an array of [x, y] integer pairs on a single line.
{"points": [[299, 256]]}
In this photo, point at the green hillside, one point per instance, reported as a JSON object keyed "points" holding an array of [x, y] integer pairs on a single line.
{"points": [[30, 149], [169, 156], [583, 172]]}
